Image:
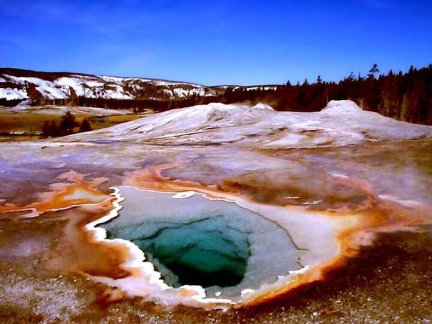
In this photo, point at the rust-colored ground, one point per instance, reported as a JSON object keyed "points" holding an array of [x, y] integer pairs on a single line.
{"points": [[43, 271]]}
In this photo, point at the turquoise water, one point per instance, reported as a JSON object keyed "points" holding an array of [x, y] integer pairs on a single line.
{"points": [[197, 241], [206, 252]]}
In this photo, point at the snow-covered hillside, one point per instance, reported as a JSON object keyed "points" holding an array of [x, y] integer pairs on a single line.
{"points": [[28, 84], [340, 123]]}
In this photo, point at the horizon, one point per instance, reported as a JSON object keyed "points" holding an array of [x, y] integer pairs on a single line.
{"points": [[224, 43], [224, 85]]}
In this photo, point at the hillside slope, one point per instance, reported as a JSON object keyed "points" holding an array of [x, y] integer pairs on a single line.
{"points": [[16, 84]]}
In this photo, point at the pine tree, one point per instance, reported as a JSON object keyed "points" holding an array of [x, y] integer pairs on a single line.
{"points": [[85, 126], [373, 71], [54, 129], [46, 130], [67, 123], [73, 98]]}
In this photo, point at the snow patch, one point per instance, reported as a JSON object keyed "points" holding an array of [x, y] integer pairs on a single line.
{"points": [[105, 87], [12, 94]]}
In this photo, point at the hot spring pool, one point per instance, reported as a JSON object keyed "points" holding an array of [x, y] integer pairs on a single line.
{"points": [[215, 244]]}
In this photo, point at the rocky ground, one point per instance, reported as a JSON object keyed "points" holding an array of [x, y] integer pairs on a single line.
{"points": [[388, 279]]}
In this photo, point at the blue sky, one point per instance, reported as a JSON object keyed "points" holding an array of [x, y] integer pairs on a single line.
{"points": [[216, 42]]}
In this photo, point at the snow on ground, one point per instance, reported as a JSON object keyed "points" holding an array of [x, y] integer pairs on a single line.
{"points": [[12, 94], [106, 87], [267, 88], [90, 87], [46, 88], [61, 110], [340, 123]]}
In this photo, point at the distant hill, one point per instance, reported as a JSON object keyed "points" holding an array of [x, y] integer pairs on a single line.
{"points": [[66, 87], [403, 96]]}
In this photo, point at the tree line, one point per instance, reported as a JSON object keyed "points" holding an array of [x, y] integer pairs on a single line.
{"points": [[403, 96], [65, 126]]}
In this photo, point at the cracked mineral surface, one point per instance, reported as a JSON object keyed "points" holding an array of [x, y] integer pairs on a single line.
{"points": [[309, 223]]}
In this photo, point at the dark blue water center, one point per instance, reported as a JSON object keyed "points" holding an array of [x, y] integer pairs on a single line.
{"points": [[198, 241], [207, 252]]}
